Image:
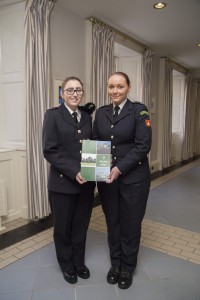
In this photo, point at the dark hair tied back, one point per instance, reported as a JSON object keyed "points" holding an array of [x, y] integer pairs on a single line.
{"points": [[123, 75], [70, 78]]}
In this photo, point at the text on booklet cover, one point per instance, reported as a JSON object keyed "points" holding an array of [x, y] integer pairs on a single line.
{"points": [[95, 160]]}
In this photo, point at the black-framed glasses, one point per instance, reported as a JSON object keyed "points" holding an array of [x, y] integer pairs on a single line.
{"points": [[71, 91]]}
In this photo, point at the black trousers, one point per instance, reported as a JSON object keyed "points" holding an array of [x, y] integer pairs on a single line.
{"points": [[124, 207], [71, 217]]}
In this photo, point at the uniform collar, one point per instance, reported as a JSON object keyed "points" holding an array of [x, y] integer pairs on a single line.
{"points": [[71, 111], [121, 105]]}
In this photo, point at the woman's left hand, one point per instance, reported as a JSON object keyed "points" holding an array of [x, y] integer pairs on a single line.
{"points": [[114, 174], [80, 179]]}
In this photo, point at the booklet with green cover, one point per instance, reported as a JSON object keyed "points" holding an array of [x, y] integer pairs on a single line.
{"points": [[95, 160]]}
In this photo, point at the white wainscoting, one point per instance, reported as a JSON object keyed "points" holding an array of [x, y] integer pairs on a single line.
{"points": [[13, 171]]}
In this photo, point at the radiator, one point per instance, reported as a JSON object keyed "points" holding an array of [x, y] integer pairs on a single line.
{"points": [[154, 166]]}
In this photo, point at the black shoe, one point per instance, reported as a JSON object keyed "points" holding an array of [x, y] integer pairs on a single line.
{"points": [[70, 276], [125, 280], [82, 272], [113, 275]]}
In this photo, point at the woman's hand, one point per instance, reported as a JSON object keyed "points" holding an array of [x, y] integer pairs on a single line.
{"points": [[80, 179], [114, 174]]}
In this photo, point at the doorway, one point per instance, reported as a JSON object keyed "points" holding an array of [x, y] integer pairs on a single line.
{"points": [[130, 62]]}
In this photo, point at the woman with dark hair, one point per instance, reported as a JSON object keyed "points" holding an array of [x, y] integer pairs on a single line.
{"points": [[71, 198], [124, 196]]}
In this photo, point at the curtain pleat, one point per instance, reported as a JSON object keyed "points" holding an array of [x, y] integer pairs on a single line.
{"points": [[167, 115], [197, 120], [189, 113], [37, 65], [147, 77], [102, 62]]}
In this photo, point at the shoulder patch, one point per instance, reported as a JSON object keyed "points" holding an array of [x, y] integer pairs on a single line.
{"points": [[148, 123], [144, 112]]}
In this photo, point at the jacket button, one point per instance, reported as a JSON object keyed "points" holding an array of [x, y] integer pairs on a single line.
{"points": [[112, 126], [61, 175], [140, 163], [80, 141], [115, 158], [113, 147], [79, 131], [112, 137]]}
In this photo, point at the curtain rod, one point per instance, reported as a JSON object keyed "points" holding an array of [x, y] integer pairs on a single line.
{"points": [[19, 1], [176, 64], [121, 34]]}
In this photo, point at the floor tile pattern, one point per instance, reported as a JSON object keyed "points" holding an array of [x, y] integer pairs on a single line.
{"points": [[168, 239], [168, 261]]}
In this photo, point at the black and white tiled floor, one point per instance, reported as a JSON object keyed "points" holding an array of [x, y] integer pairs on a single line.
{"points": [[169, 257]]}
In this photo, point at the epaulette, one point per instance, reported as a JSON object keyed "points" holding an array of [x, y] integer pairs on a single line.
{"points": [[104, 106], [144, 108], [88, 107], [52, 108], [137, 102]]}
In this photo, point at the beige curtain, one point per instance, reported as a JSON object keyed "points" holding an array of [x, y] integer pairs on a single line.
{"points": [[187, 150], [167, 115], [197, 120], [102, 62], [147, 78], [37, 64]]}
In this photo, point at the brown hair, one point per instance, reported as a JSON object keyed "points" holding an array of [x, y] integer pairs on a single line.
{"points": [[123, 75], [68, 79]]}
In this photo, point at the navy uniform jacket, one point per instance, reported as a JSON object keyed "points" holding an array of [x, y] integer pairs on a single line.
{"points": [[130, 136], [62, 143]]}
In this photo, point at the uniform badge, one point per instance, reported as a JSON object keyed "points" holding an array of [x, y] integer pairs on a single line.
{"points": [[144, 112], [148, 123]]}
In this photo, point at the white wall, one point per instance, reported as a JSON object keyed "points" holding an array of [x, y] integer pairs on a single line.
{"points": [[12, 75]]}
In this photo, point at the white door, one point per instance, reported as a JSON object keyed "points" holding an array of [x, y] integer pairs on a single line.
{"points": [[129, 62]]}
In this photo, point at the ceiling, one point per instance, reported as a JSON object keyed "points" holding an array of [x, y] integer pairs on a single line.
{"points": [[173, 31]]}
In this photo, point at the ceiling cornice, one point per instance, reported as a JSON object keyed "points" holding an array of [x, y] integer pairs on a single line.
{"points": [[9, 2]]}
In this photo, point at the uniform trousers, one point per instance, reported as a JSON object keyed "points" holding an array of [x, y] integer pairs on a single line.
{"points": [[124, 207], [71, 217]]}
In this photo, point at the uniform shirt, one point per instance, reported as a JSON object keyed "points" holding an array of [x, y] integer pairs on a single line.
{"points": [[120, 106], [72, 111]]}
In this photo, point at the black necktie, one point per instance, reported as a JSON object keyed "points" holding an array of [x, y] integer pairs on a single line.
{"points": [[74, 114], [116, 109]]}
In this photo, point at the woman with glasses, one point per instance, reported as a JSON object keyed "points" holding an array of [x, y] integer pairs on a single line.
{"points": [[71, 198], [124, 196]]}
